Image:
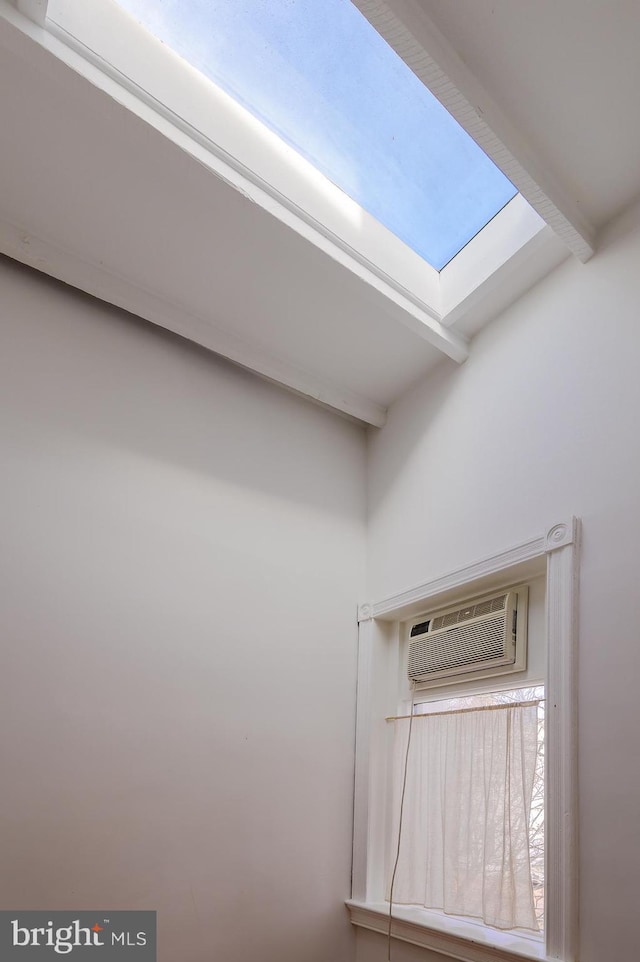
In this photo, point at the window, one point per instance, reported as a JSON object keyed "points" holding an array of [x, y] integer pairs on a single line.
{"points": [[330, 194], [551, 563], [472, 816], [321, 78], [465, 757]]}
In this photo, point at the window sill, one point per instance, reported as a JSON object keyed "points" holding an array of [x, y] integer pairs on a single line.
{"points": [[455, 938]]}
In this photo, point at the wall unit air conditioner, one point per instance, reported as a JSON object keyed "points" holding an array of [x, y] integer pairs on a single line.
{"points": [[481, 638]]}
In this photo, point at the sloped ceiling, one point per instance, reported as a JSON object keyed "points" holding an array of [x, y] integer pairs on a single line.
{"points": [[568, 75], [85, 182]]}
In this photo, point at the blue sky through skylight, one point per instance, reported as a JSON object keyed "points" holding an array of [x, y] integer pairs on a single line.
{"points": [[319, 75]]}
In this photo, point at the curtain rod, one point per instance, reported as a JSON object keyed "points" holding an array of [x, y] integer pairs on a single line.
{"points": [[463, 711]]}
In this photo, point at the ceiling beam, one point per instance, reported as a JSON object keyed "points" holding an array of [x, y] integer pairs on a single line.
{"points": [[415, 38], [44, 256]]}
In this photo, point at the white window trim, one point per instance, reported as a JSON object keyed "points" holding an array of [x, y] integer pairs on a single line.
{"points": [[557, 554]]}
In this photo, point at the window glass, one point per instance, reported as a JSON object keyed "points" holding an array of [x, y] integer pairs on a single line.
{"points": [[324, 80], [474, 804]]}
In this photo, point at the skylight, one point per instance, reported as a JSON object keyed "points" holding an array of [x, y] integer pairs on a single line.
{"points": [[322, 78]]}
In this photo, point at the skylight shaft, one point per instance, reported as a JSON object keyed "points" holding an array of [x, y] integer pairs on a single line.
{"points": [[318, 75]]}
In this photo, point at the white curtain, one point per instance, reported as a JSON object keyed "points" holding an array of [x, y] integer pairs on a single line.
{"points": [[465, 826]]}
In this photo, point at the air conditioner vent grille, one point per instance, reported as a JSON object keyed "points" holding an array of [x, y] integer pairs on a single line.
{"points": [[485, 637], [471, 611], [460, 647]]}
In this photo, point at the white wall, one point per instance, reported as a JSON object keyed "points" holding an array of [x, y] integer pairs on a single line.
{"points": [[542, 422], [182, 552]]}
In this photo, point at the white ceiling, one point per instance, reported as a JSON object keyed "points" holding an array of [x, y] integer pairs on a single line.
{"points": [[92, 194]]}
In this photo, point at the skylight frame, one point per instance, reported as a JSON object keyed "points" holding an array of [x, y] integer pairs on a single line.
{"points": [[241, 149], [342, 98], [246, 154]]}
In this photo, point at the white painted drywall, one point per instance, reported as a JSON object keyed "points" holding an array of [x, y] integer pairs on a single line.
{"points": [[542, 422], [182, 552]]}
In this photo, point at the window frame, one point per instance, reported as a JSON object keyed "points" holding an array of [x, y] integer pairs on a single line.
{"points": [[110, 49], [556, 554], [236, 146]]}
